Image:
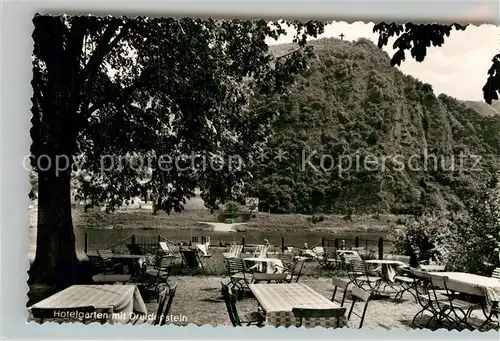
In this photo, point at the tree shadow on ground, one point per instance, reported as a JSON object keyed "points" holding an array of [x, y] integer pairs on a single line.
{"points": [[422, 322]]}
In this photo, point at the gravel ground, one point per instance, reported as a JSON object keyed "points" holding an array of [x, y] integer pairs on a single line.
{"points": [[198, 301]]}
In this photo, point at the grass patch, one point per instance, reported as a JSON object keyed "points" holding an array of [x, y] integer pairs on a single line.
{"points": [[142, 219], [300, 222]]}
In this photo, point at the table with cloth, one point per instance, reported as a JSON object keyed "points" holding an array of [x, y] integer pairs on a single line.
{"points": [[488, 287], [119, 303], [278, 301], [388, 267], [268, 265]]}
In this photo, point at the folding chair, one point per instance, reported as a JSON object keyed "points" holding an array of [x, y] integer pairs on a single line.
{"points": [[360, 276], [105, 265], [161, 315], [261, 251], [328, 259], [343, 284], [293, 269], [256, 318], [296, 271], [166, 249], [456, 306], [237, 274], [192, 259], [203, 249], [430, 300], [234, 251], [155, 276], [358, 294], [308, 313], [406, 281], [494, 312]]}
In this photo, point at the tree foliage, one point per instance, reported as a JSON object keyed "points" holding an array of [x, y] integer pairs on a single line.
{"points": [[118, 97], [468, 241]]}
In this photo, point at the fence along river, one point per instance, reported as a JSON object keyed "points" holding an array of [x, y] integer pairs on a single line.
{"points": [[102, 238]]}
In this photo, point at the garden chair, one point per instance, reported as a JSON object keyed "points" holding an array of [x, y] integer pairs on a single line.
{"points": [[496, 273], [164, 309], [296, 271], [234, 251], [358, 294], [162, 298], [342, 284], [191, 258], [429, 299], [99, 265], [459, 309], [293, 270], [167, 250], [308, 313], [360, 275], [494, 313], [238, 274], [155, 276], [256, 318], [406, 281], [261, 251], [329, 258], [204, 250]]}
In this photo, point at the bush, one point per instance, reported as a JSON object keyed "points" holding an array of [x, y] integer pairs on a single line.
{"points": [[477, 242], [467, 241], [427, 238]]}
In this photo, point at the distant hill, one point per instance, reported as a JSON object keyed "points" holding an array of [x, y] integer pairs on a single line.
{"points": [[352, 103]]}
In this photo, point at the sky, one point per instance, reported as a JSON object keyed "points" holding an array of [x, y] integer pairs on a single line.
{"points": [[458, 68]]}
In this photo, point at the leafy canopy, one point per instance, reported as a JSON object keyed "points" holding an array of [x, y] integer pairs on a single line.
{"points": [[135, 96]]}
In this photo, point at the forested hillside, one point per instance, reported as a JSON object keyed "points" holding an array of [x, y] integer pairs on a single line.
{"points": [[352, 106]]}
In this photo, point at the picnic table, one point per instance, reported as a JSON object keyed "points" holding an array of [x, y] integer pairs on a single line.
{"points": [[112, 303], [488, 287], [278, 301], [388, 267], [268, 265]]}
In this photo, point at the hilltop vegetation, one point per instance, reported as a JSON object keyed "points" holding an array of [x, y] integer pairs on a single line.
{"points": [[351, 106]]}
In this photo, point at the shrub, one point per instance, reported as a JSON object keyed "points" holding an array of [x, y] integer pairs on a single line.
{"points": [[426, 237], [231, 207], [477, 242], [468, 241]]}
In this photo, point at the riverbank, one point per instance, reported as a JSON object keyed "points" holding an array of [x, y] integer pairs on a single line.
{"points": [[203, 220]]}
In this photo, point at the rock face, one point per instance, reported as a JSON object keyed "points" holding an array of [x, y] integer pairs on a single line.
{"points": [[355, 134]]}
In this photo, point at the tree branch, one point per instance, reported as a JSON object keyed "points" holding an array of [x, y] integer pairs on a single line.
{"points": [[99, 104], [104, 46]]}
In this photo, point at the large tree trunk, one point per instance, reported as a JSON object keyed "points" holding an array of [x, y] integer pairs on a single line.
{"points": [[55, 259]]}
